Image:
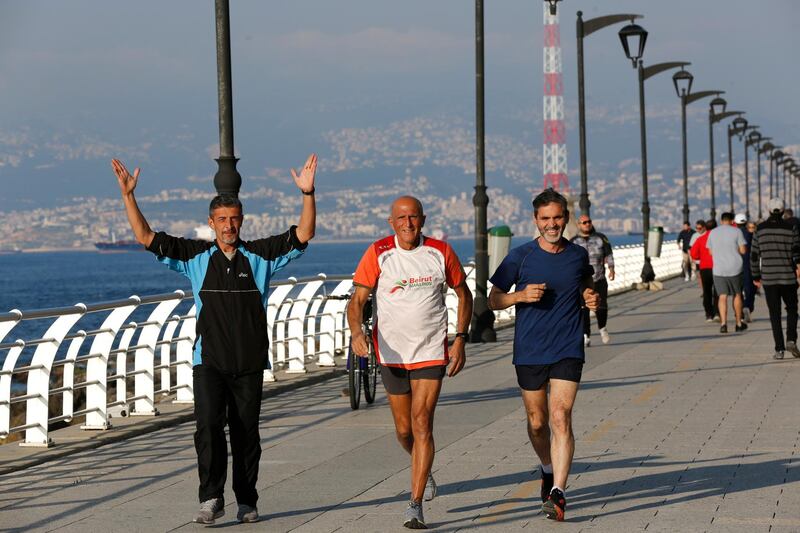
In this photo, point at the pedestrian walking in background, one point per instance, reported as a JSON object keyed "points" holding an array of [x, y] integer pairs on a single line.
{"points": [[600, 255], [705, 264], [748, 289], [727, 245], [685, 244], [774, 260]]}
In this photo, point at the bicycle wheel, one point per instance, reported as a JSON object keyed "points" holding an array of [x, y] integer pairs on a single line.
{"points": [[370, 377], [354, 378]]}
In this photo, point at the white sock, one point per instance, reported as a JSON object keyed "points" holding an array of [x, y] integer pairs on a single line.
{"points": [[559, 488], [547, 469]]}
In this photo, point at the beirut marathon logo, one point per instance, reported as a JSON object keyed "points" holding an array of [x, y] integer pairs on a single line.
{"points": [[411, 283]]}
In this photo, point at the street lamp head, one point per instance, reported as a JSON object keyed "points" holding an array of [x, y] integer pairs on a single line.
{"points": [[778, 156], [633, 38], [552, 4], [683, 82], [739, 125], [718, 105], [754, 137]]}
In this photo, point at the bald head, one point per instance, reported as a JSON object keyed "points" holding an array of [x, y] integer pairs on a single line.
{"points": [[406, 202]]}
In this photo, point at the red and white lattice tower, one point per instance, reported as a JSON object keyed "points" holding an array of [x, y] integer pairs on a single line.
{"points": [[554, 149]]}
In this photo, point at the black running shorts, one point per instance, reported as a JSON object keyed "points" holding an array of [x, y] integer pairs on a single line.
{"points": [[534, 377], [398, 380]]}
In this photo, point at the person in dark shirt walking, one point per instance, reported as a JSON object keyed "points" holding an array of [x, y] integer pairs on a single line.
{"points": [[600, 255], [684, 243], [775, 263], [230, 281]]}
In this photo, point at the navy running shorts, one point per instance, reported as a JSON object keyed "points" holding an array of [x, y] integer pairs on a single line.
{"points": [[534, 377]]}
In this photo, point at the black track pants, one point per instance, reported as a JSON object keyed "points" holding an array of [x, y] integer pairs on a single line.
{"points": [[601, 286], [774, 294], [236, 400]]}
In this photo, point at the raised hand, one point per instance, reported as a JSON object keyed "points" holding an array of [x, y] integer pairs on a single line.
{"points": [[127, 183], [305, 180]]}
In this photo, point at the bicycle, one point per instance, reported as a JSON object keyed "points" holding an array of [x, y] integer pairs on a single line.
{"points": [[362, 372]]}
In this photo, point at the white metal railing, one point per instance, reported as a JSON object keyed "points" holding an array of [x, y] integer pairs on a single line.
{"points": [[153, 357]]}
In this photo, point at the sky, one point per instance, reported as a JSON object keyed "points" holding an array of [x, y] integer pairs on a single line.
{"points": [[83, 81]]}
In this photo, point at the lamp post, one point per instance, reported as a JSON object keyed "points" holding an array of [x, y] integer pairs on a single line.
{"points": [[738, 126], [633, 34], [755, 139], [482, 329], [716, 113], [683, 87], [227, 180], [786, 163], [768, 147], [583, 29], [776, 156]]}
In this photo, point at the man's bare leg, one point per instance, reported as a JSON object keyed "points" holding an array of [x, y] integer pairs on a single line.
{"points": [[723, 309], [400, 405], [562, 445], [424, 395], [538, 422]]}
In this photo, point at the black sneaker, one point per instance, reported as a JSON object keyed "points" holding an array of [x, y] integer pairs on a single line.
{"points": [[741, 327], [555, 506], [778, 354], [723, 328], [547, 484]]}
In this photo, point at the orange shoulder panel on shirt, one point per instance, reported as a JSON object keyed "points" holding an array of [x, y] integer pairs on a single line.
{"points": [[452, 265], [368, 268]]}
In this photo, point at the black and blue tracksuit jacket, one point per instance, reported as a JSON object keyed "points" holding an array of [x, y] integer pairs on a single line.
{"points": [[230, 295]]}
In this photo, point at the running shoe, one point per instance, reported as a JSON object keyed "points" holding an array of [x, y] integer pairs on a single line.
{"points": [[724, 328], [791, 347], [604, 335], [587, 341], [709, 319], [741, 327], [778, 354], [555, 506], [747, 317], [210, 510], [430, 489], [248, 514], [547, 484], [413, 516]]}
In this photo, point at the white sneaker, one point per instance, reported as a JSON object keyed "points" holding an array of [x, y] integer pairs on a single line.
{"points": [[587, 341], [747, 315], [604, 335], [686, 278]]}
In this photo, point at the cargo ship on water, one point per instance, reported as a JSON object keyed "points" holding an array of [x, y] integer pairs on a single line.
{"points": [[119, 246]]}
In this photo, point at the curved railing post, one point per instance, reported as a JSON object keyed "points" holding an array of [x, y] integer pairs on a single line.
{"points": [[37, 413], [184, 375], [296, 329], [68, 372], [5, 387], [332, 311], [144, 358], [276, 298], [97, 367]]}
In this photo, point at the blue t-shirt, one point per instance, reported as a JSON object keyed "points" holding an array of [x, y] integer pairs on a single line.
{"points": [[551, 329]]}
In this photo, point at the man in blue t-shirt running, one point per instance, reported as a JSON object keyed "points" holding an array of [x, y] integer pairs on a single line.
{"points": [[551, 278]]}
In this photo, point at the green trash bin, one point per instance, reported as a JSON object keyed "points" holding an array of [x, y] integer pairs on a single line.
{"points": [[499, 244]]}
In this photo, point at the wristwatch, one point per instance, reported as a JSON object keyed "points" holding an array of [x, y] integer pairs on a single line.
{"points": [[463, 335]]}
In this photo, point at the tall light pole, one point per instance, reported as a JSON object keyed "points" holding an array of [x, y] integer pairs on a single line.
{"points": [[745, 140], [482, 329], [227, 180], [683, 87], [716, 113], [633, 34], [768, 147], [776, 156], [738, 126], [755, 139], [584, 28]]}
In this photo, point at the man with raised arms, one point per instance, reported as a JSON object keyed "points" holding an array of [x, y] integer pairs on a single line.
{"points": [[230, 280], [408, 275], [550, 276]]}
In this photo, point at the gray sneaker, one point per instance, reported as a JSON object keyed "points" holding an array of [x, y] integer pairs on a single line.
{"points": [[413, 516], [778, 354], [791, 347], [247, 514], [430, 489], [210, 510]]}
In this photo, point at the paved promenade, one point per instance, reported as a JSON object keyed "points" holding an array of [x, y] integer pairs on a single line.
{"points": [[678, 428]]}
